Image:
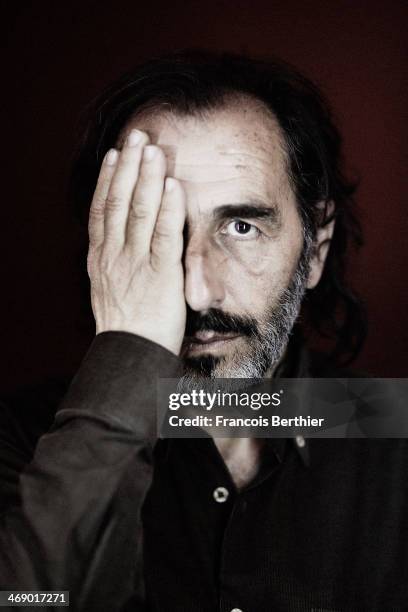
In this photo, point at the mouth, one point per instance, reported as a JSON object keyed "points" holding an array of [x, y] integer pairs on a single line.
{"points": [[207, 341]]}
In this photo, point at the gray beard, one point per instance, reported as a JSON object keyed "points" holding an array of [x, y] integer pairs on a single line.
{"points": [[265, 349]]}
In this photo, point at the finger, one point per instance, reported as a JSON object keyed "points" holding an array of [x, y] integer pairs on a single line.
{"points": [[97, 210], [122, 185], [146, 200], [167, 242]]}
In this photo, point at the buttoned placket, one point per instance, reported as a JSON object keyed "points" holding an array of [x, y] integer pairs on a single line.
{"points": [[239, 503]]}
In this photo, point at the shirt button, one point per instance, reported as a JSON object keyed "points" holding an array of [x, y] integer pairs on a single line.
{"points": [[220, 494], [300, 441]]}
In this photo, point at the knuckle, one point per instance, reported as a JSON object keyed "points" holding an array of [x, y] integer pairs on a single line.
{"points": [[138, 213], [162, 235], [113, 202], [97, 208]]}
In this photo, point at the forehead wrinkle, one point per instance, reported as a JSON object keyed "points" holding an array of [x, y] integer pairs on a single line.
{"points": [[213, 173], [246, 144], [215, 169], [174, 151], [207, 181]]}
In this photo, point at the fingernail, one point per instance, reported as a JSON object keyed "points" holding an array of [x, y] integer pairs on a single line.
{"points": [[134, 137], [170, 184], [111, 157], [148, 153]]}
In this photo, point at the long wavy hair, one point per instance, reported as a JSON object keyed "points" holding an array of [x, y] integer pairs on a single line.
{"points": [[192, 82]]}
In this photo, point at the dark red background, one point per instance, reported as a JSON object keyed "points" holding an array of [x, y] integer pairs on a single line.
{"points": [[59, 55]]}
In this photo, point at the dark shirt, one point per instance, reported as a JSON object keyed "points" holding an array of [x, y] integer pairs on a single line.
{"points": [[126, 522]]}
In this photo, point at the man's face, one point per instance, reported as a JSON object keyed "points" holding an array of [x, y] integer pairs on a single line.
{"points": [[243, 237]]}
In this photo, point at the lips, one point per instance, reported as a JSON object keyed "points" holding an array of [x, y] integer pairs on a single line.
{"points": [[203, 340], [208, 337]]}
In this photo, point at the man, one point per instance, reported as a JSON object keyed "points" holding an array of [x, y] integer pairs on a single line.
{"points": [[219, 212]]}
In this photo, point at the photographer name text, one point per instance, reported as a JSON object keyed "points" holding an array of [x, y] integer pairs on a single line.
{"points": [[204, 421]]}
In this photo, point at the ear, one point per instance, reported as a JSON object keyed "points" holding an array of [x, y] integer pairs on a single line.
{"points": [[321, 245]]}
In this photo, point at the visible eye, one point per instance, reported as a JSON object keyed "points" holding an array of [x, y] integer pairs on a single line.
{"points": [[241, 229]]}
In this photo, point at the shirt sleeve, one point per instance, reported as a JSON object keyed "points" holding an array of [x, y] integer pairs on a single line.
{"points": [[77, 526]]}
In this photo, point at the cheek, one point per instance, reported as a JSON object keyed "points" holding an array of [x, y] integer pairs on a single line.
{"points": [[253, 274], [248, 259]]}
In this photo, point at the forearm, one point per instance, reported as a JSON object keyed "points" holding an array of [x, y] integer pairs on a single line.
{"points": [[79, 526]]}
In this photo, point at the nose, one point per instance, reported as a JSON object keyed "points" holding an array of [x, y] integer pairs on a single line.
{"points": [[204, 288]]}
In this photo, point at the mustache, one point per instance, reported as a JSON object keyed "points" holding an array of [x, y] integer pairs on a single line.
{"points": [[221, 322]]}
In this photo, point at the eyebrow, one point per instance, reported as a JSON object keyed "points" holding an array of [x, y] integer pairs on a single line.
{"points": [[256, 210]]}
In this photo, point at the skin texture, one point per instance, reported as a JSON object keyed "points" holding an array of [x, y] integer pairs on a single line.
{"points": [[142, 279], [234, 156]]}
